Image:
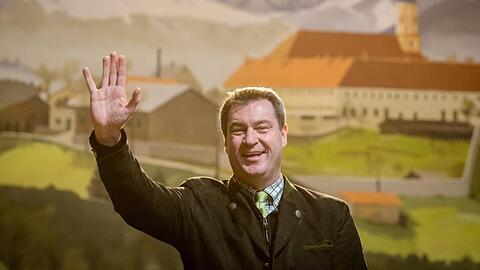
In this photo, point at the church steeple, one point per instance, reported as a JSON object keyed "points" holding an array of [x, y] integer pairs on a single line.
{"points": [[407, 26]]}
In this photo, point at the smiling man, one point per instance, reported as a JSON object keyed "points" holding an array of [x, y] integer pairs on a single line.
{"points": [[257, 219]]}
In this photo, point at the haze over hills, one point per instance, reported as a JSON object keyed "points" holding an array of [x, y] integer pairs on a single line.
{"points": [[447, 27], [37, 32], [212, 37]]}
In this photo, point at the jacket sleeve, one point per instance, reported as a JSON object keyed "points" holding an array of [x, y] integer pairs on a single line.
{"points": [[160, 211], [348, 249]]}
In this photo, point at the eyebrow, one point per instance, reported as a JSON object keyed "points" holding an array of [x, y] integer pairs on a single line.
{"points": [[256, 123]]}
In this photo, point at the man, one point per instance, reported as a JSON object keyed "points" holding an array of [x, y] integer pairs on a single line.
{"points": [[257, 219]]}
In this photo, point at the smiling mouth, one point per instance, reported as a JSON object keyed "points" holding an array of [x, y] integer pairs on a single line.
{"points": [[253, 156]]}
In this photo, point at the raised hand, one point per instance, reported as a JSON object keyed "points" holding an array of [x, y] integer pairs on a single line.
{"points": [[109, 108]]}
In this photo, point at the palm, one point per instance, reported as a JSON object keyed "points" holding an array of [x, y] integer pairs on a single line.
{"points": [[109, 107]]}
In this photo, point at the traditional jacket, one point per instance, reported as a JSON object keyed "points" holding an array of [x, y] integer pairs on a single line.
{"points": [[215, 226]]}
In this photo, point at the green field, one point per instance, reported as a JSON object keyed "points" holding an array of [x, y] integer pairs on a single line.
{"points": [[39, 165], [441, 228], [366, 152]]}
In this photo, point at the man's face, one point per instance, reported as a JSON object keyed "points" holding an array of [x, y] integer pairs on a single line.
{"points": [[254, 142]]}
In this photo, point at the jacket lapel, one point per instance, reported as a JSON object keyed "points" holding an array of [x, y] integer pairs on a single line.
{"points": [[243, 214], [289, 217]]}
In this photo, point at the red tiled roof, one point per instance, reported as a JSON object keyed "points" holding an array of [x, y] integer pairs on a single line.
{"points": [[296, 72], [312, 43], [413, 75]]}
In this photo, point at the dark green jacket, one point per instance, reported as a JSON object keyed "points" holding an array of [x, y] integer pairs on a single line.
{"points": [[214, 226]]}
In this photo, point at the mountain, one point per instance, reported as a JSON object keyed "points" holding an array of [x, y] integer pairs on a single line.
{"points": [[451, 27], [446, 26], [327, 15], [194, 9], [211, 37], [54, 32]]}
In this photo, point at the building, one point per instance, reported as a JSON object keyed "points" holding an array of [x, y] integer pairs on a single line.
{"points": [[376, 207], [22, 108], [170, 116], [330, 80]]}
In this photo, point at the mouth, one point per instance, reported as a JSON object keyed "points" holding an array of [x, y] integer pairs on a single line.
{"points": [[253, 155]]}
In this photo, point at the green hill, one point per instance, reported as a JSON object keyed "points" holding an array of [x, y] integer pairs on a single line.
{"points": [[364, 152]]}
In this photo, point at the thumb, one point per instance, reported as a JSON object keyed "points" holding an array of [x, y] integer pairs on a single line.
{"points": [[135, 100]]}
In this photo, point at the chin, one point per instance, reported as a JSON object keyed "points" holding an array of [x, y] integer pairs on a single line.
{"points": [[254, 171]]}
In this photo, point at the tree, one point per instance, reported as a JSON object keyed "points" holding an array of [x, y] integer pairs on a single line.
{"points": [[46, 76], [468, 108], [69, 71]]}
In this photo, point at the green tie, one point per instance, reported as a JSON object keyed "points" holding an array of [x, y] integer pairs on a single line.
{"points": [[261, 198]]}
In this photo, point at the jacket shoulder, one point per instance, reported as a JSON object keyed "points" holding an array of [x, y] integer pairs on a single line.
{"points": [[204, 184], [322, 200]]}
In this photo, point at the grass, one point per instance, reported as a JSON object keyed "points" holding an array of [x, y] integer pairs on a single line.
{"points": [[39, 165], [441, 228], [366, 152]]}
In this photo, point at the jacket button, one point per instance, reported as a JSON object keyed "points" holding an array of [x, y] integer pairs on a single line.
{"points": [[232, 205], [298, 214], [266, 266]]}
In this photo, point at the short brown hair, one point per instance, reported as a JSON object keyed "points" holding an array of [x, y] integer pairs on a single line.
{"points": [[244, 95]]}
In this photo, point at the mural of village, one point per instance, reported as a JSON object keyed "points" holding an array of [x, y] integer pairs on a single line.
{"points": [[383, 109]]}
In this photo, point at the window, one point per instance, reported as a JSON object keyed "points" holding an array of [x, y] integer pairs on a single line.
{"points": [[352, 112], [455, 116], [58, 121], [375, 112], [425, 96], [364, 111], [386, 113], [415, 116], [397, 96]]}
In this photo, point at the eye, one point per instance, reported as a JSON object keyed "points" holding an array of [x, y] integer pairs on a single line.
{"points": [[237, 130], [262, 128]]}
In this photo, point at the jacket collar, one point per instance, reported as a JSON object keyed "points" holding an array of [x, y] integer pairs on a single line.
{"points": [[290, 216]]}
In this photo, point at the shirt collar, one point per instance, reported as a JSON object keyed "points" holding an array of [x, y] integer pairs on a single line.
{"points": [[275, 190]]}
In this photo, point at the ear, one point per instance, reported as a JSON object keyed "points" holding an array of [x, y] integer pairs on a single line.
{"points": [[283, 133], [224, 143]]}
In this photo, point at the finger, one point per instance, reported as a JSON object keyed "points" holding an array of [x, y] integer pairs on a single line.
{"points": [[122, 71], [133, 103], [89, 80], [113, 69], [106, 70]]}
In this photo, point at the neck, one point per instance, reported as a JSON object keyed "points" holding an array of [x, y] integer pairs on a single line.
{"points": [[259, 183]]}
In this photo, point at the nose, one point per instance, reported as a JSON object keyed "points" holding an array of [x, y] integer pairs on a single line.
{"points": [[250, 137]]}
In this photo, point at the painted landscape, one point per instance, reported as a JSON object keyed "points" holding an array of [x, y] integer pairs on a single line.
{"points": [[383, 108]]}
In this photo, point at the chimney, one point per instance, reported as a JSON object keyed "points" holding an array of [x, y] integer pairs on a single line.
{"points": [[159, 63]]}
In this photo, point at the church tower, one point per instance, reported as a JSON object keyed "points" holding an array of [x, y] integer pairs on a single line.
{"points": [[407, 26]]}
